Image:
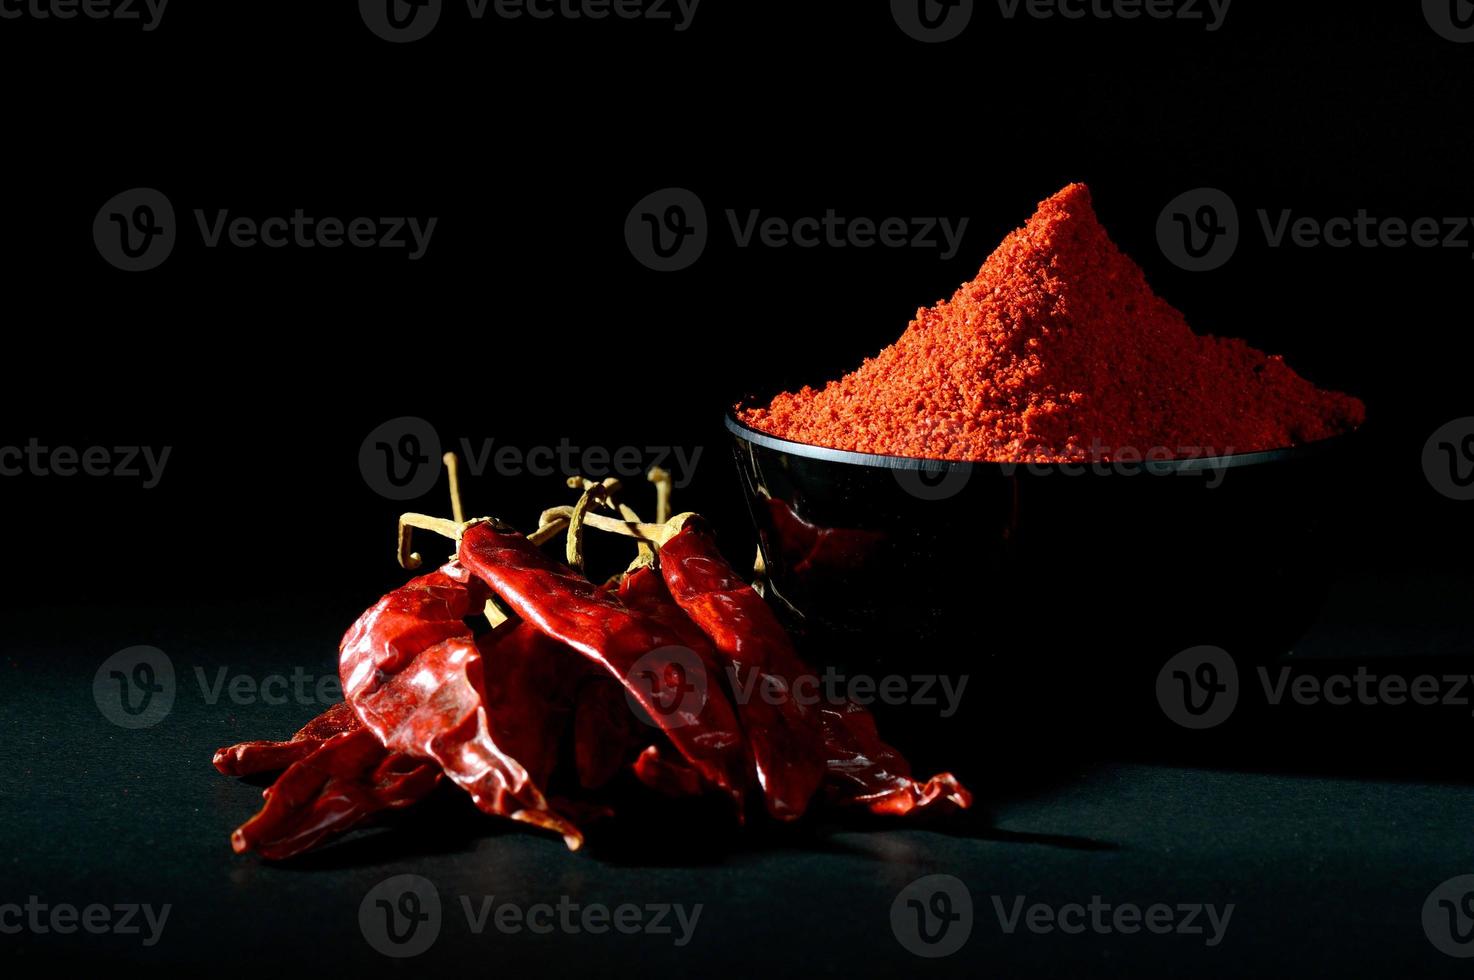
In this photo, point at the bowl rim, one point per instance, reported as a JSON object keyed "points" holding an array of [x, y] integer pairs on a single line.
{"points": [[932, 465]]}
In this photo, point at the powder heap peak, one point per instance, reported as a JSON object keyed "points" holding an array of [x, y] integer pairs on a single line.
{"points": [[1059, 350]]}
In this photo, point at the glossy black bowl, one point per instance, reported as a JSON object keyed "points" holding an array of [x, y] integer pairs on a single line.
{"points": [[1079, 566]]}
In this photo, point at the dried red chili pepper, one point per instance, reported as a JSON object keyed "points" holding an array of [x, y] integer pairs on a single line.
{"points": [[413, 672], [783, 738], [864, 770], [250, 758], [645, 590], [348, 778], [425, 696], [531, 686], [656, 769], [854, 764], [642, 653], [604, 733]]}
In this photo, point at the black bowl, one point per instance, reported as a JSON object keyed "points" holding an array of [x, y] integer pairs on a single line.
{"points": [[1085, 566]]}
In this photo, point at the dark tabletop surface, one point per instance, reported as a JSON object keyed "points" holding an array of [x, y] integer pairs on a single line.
{"points": [[1302, 844], [534, 321]]}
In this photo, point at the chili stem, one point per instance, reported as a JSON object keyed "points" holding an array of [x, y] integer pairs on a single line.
{"points": [[647, 553], [549, 530], [611, 483], [663, 485], [656, 534], [494, 613], [453, 466], [409, 558], [574, 549], [554, 522]]}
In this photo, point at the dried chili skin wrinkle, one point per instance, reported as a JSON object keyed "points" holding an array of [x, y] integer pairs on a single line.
{"points": [[604, 733], [670, 776], [645, 590], [250, 758], [531, 687], [785, 746], [1060, 351], [634, 647], [865, 771], [414, 674], [345, 780], [854, 764]]}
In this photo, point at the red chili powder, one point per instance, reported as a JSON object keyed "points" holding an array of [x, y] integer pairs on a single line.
{"points": [[1059, 351]]}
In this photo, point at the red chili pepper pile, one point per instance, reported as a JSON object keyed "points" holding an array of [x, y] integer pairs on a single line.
{"points": [[678, 674]]}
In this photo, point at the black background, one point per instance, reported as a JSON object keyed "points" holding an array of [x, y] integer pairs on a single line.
{"points": [[529, 321]]}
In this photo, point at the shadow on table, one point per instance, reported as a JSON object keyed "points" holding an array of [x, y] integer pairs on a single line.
{"points": [[651, 831]]}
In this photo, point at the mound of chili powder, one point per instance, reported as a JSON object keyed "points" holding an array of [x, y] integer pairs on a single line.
{"points": [[1059, 351]]}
